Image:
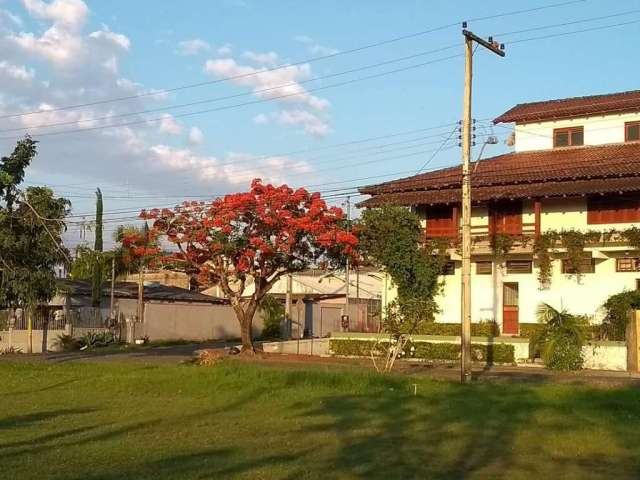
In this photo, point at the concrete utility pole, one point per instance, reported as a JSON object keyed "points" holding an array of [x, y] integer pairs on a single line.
{"points": [[113, 281], [469, 39], [346, 275]]}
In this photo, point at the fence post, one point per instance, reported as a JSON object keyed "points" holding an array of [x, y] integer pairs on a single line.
{"points": [[632, 337]]}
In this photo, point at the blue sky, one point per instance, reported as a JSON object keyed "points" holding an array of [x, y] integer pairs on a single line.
{"points": [[70, 52]]}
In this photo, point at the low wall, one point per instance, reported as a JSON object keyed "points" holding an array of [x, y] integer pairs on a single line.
{"points": [[19, 339], [605, 356], [602, 355], [311, 346]]}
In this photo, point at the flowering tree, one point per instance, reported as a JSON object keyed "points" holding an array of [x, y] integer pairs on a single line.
{"points": [[256, 236]]}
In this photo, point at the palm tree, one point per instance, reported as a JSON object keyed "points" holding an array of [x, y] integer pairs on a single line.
{"points": [[560, 339]]}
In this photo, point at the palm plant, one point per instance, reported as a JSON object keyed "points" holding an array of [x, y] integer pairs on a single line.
{"points": [[560, 339]]}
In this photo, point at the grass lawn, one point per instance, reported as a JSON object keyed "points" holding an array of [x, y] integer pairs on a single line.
{"points": [[239, 420]]}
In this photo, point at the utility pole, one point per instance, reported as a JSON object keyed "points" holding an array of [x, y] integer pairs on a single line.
{"points": [[113, 281], [348, 265], [469, 39]]}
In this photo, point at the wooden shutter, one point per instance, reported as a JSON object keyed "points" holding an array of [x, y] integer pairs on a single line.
{"points": [[613, 209], [442, 221], [505, 217], [519, 266]]}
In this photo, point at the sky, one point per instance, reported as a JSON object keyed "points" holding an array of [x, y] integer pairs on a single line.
{"points": [[306, 105]]}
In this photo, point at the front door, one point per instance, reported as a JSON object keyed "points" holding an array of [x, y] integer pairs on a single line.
{"points": [[510, 309]]}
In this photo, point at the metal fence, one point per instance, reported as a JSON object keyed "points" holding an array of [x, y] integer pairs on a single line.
{"points": [[84, 317]]}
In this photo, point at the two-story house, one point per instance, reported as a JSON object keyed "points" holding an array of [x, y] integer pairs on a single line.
{"points": [[575, 167]]}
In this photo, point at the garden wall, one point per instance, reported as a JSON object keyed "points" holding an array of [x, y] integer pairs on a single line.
{"points": [[600, 355]]}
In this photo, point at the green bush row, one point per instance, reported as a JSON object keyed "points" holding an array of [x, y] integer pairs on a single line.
{"points": [[496, 353], [482, 329], [529, 330]]}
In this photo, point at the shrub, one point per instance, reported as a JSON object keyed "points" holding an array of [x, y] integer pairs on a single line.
{"points": [[482, 329], [273, 313], [617, 309], [67, 343], [496, 353], [97, 339], [209, 358], [560, 339]]}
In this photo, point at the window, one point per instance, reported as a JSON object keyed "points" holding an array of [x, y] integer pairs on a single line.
{"points": [[632, 131], [613, 209], [505, 217], [519, 266], [442, 221], [449, 268], [484, 268], [628, 264], [588, 265], [568, 137]]}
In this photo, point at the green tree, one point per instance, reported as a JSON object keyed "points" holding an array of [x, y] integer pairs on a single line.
{"points": [[392, 238], [97, 275], [31, 228], [272, 312]]}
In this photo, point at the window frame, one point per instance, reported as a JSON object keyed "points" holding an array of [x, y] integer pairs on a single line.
{"points": [[528, 272], [635, 260], [567, 271], [569, 131], [484, 262], [448, 268], [626, 131]]}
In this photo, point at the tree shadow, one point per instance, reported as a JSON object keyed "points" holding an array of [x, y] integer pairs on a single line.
{"points": [[19, 421], [477, 432]]}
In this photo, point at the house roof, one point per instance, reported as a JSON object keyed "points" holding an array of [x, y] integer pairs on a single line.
{"points": [[130, 290], [540, 173], [572, 107]]}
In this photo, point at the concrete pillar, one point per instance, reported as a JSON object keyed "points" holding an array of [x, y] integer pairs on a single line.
{"points": [[633, 343]]}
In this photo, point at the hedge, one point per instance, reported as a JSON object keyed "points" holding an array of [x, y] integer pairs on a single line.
{"points": [[482, 329], [527, 330], [495, 353]]}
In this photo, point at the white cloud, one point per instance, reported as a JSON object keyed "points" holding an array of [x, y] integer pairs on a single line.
{"points": [[267, 58], [311, 124], [280, 85], [196, 137], [70, 13], [261, 119], [224, 50], [107, 35], [193, 47], [169, 125], [18, 72], [315, 48]]}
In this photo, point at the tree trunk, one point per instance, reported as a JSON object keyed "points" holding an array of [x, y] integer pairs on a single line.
{"points": [[45, 334], [245, 318]]}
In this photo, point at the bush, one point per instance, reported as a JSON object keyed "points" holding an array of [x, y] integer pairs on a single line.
{"points": [[482, 329], [617, 309], [97, 339], [566, 355], [67, 343], [273, 314], [496, 353], [560, 339]]}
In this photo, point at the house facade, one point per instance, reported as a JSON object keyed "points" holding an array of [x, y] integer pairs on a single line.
{"points": [[554, 221]]}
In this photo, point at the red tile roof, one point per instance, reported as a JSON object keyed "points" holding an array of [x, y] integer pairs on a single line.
{"points": [[572, 107], [544, 173]]}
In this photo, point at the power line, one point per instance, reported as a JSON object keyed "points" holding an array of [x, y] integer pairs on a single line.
{"points": [[297, 63], [244, 104], [237, 95]]}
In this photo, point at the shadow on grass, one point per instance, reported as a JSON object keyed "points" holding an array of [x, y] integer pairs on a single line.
{"points": [[483, 431], [20, 421]]}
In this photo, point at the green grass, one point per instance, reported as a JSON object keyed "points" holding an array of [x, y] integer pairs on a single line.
{"points": [[133, 421]]}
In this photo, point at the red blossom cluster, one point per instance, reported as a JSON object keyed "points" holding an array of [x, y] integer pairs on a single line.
{"points": [[262, 232]]}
